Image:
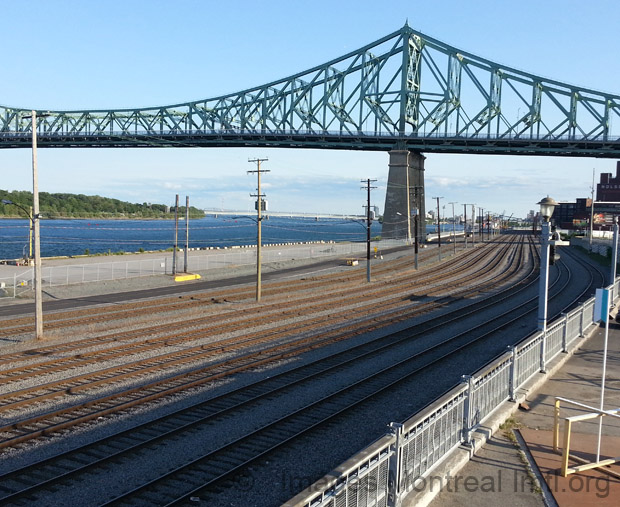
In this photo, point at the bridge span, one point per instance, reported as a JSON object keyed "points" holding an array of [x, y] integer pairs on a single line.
{"points": [[406, 93]]}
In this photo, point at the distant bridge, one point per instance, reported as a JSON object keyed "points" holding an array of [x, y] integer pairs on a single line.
{"points": [[284, 214], [406, 91]]}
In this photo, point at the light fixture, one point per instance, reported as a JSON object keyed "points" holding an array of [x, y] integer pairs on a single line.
{"points": [[547, 205]]}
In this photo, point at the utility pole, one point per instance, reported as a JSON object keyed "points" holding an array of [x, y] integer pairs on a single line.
{"points": [[186, 233], [415, 212], [36, 227], [453, 230], [488, 225], [416, 217], [465, 219], [438, 227], [481, 225], [368, 222], [259, 207]]}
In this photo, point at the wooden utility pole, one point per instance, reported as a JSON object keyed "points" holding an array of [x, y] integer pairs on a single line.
{"points": [[38, 295], [259, 217]]}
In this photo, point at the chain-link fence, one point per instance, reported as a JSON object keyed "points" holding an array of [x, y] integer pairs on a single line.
{"points": [[198, 261]]}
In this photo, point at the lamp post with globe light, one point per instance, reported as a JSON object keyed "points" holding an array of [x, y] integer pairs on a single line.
{"points": [[547, 205]]}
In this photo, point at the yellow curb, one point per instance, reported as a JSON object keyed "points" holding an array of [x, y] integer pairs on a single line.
{"points": [[185, 277]]}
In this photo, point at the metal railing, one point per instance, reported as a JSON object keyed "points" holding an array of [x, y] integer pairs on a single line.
{"points": [[401, 461]]}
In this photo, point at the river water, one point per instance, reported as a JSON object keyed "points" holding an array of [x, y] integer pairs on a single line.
{"points": [[77, 237]]}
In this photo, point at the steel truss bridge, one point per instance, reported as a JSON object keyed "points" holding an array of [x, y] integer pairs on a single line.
{"points": [[406, 91]]}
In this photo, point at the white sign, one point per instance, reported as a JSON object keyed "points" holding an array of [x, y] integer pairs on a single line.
{"points": [[601, 305]]}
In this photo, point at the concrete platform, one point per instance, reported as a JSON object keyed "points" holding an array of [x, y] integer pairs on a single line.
{"points": [[517, 465]]}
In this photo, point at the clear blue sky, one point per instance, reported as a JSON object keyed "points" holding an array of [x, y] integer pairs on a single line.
{"points": [[113, 54]]}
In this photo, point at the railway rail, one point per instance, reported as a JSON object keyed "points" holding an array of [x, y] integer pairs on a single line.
{"points": [[70, 387], [19, 485], [147, 307]]}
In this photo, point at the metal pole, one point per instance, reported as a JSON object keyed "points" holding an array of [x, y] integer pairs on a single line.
{"points": [[438, 228], [603, 375], [186, 233], [38, 302], [465, 224], [408, 203], [453, 230], [488, 226], [368, 229], [415, 226], [368, 221], [473, 225], [543, 285], [592, 211], [614, 258], [176, 236]]}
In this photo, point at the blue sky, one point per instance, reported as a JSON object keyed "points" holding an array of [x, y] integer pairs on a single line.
{"points": [[81, 54]]}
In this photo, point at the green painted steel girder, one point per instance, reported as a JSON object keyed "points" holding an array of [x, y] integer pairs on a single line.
{"points": [[406, 89]]}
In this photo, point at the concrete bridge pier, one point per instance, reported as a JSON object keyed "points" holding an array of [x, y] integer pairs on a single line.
{"points": [[405, 194]]}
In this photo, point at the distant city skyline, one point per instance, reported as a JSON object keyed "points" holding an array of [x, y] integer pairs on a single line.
{"points": [[145, 53]]}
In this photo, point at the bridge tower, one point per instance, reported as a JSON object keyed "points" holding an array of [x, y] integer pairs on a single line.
{"points": [[404, 196]]}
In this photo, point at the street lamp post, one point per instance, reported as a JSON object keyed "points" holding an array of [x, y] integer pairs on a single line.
{"points": [[547, 206]]}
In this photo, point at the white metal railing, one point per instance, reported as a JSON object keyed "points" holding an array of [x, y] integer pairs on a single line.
{"points": [[408, 454]]}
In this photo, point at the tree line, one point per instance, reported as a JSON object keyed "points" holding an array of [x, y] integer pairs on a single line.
{"points": [[86, 206]]}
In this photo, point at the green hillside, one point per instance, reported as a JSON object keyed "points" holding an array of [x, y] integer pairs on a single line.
{"points": [[86, 206]]}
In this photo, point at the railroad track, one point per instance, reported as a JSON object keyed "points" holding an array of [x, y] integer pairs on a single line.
{"points": [[211, 465], [180, 485], [22, 364], [20, 431], [146, 308]]}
